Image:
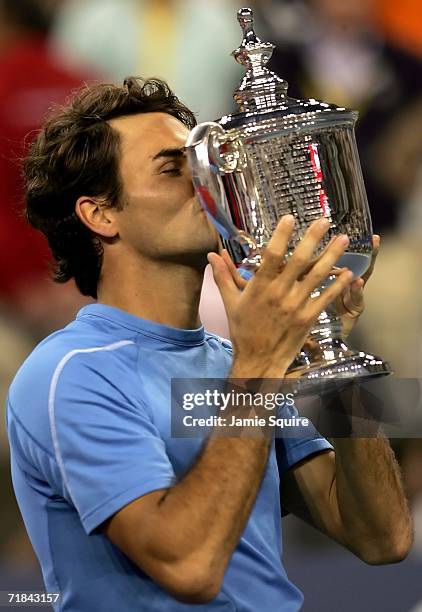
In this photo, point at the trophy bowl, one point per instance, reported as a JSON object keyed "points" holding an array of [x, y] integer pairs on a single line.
{"points": [[276, 156]]}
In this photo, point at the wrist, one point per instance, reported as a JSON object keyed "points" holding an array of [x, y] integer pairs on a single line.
{"points": [[248, 368]]}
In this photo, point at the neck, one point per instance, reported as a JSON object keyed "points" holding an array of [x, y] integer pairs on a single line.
{"points": [[163, 292]]}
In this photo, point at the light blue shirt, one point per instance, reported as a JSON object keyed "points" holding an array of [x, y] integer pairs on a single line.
{"points": [[89, 430]]}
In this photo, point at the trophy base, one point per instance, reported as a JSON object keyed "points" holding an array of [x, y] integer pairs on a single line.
{"points": [[311, 375]]}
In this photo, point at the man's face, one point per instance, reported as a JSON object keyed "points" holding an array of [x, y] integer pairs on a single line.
{"points": [[162, 219]]}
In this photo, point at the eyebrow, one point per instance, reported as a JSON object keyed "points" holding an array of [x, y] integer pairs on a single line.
{"points": [[169, 153]]}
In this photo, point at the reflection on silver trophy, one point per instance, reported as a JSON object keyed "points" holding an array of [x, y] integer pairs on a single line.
{"points": [[278, 155]]}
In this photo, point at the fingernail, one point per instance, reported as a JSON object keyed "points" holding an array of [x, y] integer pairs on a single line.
{"points": [[323, 224], [288, 219], [343, 239]]}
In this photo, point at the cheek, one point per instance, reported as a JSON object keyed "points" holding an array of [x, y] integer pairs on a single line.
{"points": [[162, 197], [136, 219], [150, 221]]}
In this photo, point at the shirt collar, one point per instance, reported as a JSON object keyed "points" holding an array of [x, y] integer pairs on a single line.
{"points": [[144, 326]]}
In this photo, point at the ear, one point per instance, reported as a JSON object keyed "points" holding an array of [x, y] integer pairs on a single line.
{"points": [[101, 219]]}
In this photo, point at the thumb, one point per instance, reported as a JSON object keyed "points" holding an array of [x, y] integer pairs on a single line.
{"points": [[240, 282], [223, 278]]}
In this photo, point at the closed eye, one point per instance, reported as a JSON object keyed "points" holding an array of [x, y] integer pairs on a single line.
{"points": [[175, 171]]}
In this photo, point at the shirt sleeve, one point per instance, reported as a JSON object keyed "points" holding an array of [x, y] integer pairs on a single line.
{"points": [[108, 450], [291, 449], [296, 443]]}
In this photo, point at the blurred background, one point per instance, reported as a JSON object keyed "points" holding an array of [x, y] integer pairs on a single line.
{"points": [[366, 54]]}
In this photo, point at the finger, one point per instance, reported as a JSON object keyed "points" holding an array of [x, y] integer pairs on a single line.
{"points": [[223, 278], [323, 267], [304, 252], [327, 246], [342, 299], [353, 297], [240, 282], [273, 255], [376, 241], [317, 305], [318, 257]]}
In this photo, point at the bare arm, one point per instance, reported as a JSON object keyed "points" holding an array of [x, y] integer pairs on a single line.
{"points": [[371, 499], [355, 496], [184, 537]]}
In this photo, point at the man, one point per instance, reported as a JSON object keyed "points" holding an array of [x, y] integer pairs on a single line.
{"points": [[122, 515]]}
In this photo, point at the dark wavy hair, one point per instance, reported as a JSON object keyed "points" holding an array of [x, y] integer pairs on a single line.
{"points": [[77, 153]]}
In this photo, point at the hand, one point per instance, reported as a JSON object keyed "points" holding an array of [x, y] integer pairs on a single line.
{"points": [[350, 304], [271, 315]]}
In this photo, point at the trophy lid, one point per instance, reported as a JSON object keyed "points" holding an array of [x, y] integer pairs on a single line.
{"points": [[261, 90]]}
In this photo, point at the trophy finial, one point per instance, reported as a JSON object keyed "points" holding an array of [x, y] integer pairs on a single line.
{"points": [[245, 13], [260, 87], [250, 39], [245, 18]]}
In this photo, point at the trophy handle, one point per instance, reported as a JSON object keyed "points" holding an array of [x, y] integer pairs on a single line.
{"points": [[211, 155]]}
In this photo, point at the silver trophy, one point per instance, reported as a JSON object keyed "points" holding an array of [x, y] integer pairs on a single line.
{"points": [[278, 155]]}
